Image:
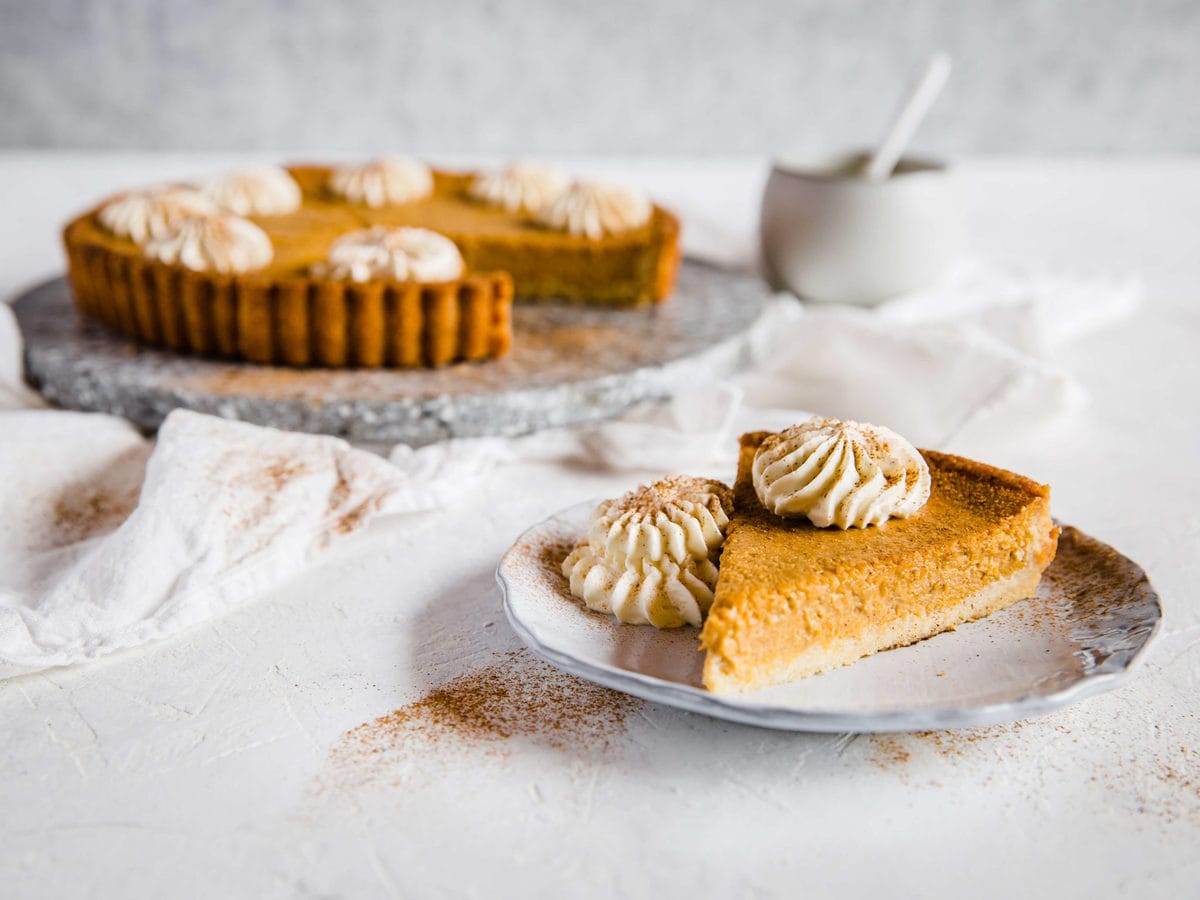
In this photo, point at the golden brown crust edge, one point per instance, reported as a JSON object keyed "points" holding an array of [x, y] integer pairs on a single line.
{"points": [[294, 321], [669, 254], [659, 261]]}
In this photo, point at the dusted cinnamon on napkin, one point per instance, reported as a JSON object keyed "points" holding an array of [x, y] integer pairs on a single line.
{"points": [[109, 541]]}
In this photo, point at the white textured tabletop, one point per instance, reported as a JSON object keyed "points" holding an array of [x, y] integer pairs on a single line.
{"points": [[249, 757]]}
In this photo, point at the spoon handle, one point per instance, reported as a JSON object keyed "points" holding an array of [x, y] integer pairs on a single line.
{"points": [[920, 98]]}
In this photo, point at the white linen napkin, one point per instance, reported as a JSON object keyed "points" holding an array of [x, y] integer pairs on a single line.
{"points": [[109, 542], [957, 367], [14, 394], [940, 384]]}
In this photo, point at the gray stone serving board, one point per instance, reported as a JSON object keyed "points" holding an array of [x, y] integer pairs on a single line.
{"points": [[569, 364]]}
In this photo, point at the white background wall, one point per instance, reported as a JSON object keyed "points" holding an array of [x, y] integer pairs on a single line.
{"points": [[611, 76]]}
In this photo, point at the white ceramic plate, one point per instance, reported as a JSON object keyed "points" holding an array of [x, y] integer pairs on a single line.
{"points": [[1093, 616]]}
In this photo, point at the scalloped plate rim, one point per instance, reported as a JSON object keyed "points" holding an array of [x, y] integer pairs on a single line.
{"points": [[736, 708]]}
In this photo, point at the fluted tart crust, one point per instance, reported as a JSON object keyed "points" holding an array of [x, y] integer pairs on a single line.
{"points": [[297, 321]]}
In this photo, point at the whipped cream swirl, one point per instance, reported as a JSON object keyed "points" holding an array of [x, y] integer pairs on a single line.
{"points": [[151, 214], [522, 186], [401, 254], [264, 191], [650, 556], [848, 474], [218, 243], [386, 181], [588, 209]]}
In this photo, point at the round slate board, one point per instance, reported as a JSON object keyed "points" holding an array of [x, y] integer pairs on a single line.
{"points": [[569, 364]]}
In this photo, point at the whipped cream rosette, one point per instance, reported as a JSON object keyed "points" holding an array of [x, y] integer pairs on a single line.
{"points": [[218, 243], [521, 186], [144, 215], [263, 191], [590, 209], [386, 181], [848, 474], [401, 254], [650, 556]]}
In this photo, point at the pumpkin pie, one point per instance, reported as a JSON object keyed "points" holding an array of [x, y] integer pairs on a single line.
{"points": [[794, 598], [239, 267]]}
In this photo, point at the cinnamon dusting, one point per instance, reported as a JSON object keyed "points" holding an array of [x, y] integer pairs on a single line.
{"points": [[647, 500], [551, 555], [279, 473], [518, 699], [353, 518], [267, 483], [350, 519], [82, 511], [1160, 781]]}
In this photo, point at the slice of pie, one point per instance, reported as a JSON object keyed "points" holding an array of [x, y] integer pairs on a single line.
{"points": [[794, 599]]}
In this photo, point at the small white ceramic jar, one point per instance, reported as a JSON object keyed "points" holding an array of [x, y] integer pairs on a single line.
{"points": [[830, 235]]}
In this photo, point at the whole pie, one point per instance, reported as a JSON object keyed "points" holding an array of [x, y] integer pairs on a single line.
{"points": [[794, 598], [385, 263]]}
